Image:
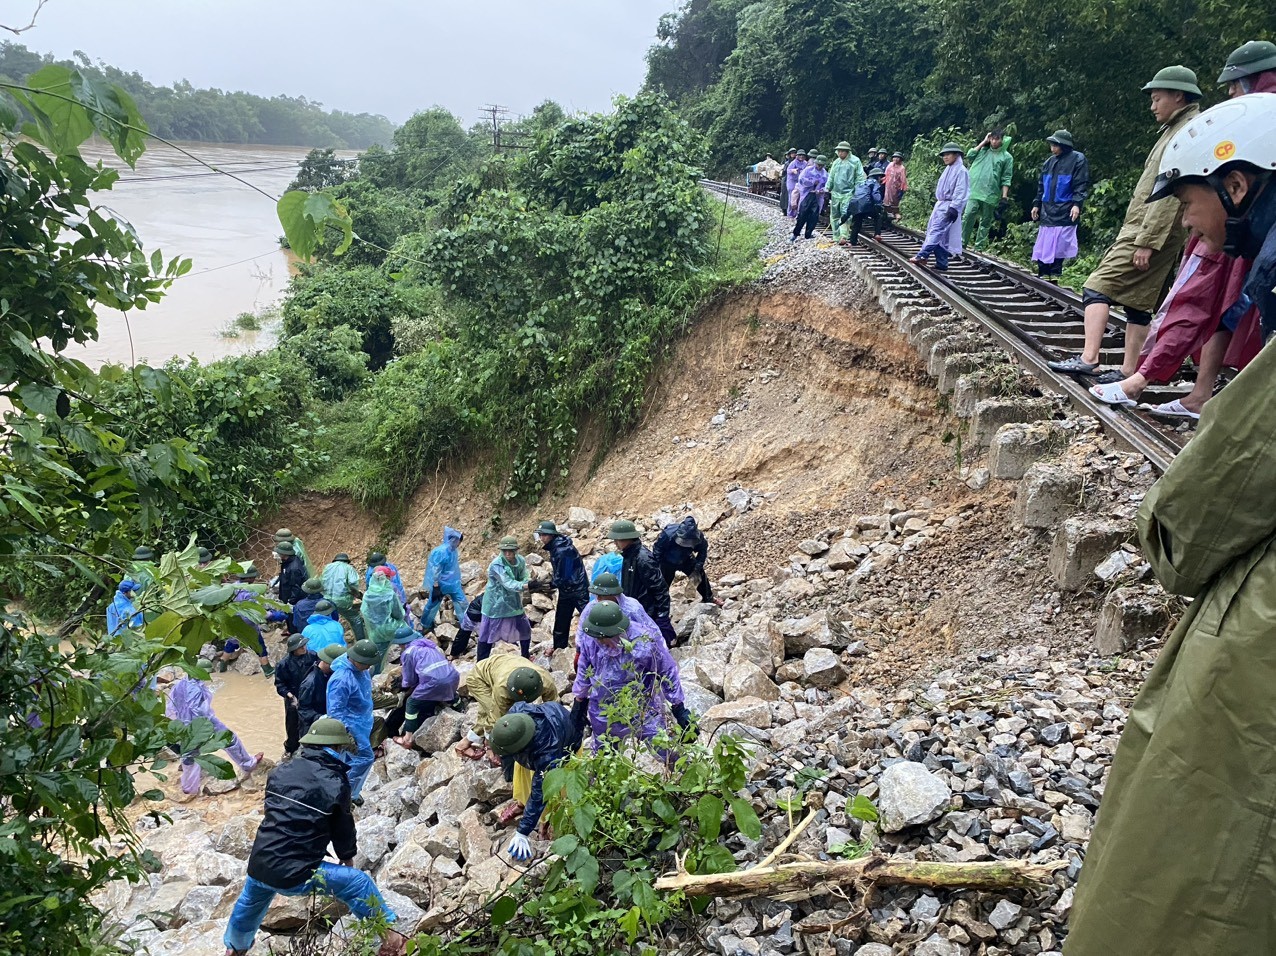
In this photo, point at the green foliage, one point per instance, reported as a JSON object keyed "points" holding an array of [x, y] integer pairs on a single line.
{"points": [[306, 218], [183, 112], [363, 298], [430, 150], [334, 356]]}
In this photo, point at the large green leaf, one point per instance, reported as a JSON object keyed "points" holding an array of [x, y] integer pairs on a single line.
{"points": [[306, 218], [58, 120]]}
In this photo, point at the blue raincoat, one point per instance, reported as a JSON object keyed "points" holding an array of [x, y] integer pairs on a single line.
{"points": [[609, 563], [444, 565], [302, 610], [339, 578], [381, 610], [350, 701], [321, 631], [121, 612]]}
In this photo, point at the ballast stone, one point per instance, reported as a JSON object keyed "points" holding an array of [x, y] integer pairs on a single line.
{"points": [[910, 795]]}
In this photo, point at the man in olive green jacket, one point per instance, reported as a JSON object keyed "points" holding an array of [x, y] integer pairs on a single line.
{"points": [[1183, 860]]}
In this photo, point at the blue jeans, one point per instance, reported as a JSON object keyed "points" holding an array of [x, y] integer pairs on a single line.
{"points": [[459, 603], [353, 887], [941, 255]]}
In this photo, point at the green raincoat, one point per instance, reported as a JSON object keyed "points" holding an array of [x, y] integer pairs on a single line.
{"points": [[1183, 860], [1147, 225], [381, 611], [506, 583], [844, 176], [990, 170]]}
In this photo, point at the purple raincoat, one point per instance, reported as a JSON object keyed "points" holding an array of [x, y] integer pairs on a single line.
{"points": [[951, 192], [640, 621], [812, 180], [602, 672], [427, 673], [190, 698], [791, 184]]}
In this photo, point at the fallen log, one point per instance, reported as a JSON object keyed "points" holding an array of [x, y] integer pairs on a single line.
{"points": [[797, 881]]}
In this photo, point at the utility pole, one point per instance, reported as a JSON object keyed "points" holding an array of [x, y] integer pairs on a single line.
{"points": [[503, 138]]}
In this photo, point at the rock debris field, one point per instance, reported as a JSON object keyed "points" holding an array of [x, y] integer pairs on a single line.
{"points": [[964, 660]]}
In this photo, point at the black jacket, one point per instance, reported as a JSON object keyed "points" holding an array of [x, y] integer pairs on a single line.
{"points": [[312, 701], [1064, 183], [307, 807], [569, 569], [292, 575], [291, 671], [640, 579], [671, 554]]}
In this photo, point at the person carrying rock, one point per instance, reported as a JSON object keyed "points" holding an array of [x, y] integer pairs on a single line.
{"points": [[640, 576], [537, 737], [497, 684], [292, 670], [683, 547], [429, 681], [943, 229], [613, 657], [350, 701], [299, 548], [382, 613], [569, 579], [308, 808], [122, 612], [312, 700], [443, 578], [312, 594], [189, 699], [503, 617], [341, 587], [292, 577]]}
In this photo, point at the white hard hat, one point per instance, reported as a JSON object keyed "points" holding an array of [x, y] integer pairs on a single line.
{"points": [[1238, 130]]}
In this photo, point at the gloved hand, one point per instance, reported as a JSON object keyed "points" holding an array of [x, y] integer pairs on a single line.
{"points": [[579, 710], [683, 716], [436, 593], [519, 848], [951, 214], [274, 617], [1002, 206]]}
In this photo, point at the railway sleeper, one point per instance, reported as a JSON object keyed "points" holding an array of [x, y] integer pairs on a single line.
{"points": [[953, 345]]}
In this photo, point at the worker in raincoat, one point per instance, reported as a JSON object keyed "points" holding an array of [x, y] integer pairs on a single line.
{"points": [[122, 612], [292, 576], [350, 701], [443, 578], [322, 628], [377, 560], [1134, 268], [991, 170], [312, 594], [640, 576], [298, 547], [1061, 194], [497, 684], [503, 616], [606, 588], [895, 185], [846, 173], [784, 178], [866, 204], [791, 175], [467, 626], [614, 657], [382, 613], [189, 699], [569, 578], [683, 547], [943, 230], [429, 681], [292, 670], [812, 188], [232, 648], [341, 587], [312, 702], [536, 737]]}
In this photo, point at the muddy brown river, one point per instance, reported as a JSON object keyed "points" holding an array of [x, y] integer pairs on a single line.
{"points": [[250, 707]]}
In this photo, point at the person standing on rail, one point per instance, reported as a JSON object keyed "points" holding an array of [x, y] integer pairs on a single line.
{"points": [[1181, 856], [894, 186], [1065, 183], [1133, 271], [796, 166], [811, 191], [991, 170], [943, 230], [846, 173], [784, 179]]}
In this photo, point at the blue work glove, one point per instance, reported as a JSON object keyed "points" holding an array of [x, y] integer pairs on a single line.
{"points": [[519, 848]]}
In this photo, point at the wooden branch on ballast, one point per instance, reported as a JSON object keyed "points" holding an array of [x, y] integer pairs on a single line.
{"points": [[798, 881]]}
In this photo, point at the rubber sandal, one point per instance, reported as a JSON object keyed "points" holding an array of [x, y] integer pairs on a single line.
{"points": [[1074, 366], [1174, 409], [1111, 377], [470, 752], [509, 813], [1112, 394]]}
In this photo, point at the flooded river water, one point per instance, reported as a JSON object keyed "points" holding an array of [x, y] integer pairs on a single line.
{"points": [[229, 231], [250, 707]]}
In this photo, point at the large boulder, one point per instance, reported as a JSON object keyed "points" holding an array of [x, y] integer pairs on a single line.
{"points": [[822, 668], [758, 642], [440, 732], [909, 795], [237, 835], [439, 770], [697, 699], [578, 519], [375, 836], [800, 634], [407, 871], [442, 839], [747, 679], [748, 711], [400, 761], [476, 842]]}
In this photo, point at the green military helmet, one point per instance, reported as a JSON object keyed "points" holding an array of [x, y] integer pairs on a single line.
{"points": [[295, 641], [874, 151], [284, 534], [1061, 137], [822, 159], [801, 153], [343, 557], [329, 732], [605, 619], [312, 586], [547, 527], [525, 685], [878, 172], [508, 543], [843, 145], [249, 572], [606, 585], [376, 558], [623, 530], [791, 151], [1256, 56], [364, 652], [331, 652], [205, 556], [143, 553], [897, 155], [285, 549], [403, 634], [951, 147], [1175, 77], [325, 607], [512, 733]]}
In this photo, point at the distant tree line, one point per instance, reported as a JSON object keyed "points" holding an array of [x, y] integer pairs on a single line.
{"points": [[183, 112]]}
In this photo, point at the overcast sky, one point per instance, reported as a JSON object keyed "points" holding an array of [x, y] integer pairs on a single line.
{"points": [[375, 56]]}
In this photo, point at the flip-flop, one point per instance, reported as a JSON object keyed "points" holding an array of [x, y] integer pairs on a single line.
{"points": [[1074, 366], [1112, 394], [1174, 409]]}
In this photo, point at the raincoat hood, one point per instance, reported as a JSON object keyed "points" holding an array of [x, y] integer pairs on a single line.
{"points": [[451, 537]]}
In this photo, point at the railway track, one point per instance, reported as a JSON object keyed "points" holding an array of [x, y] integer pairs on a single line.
{"points": [[1034, 321]]}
